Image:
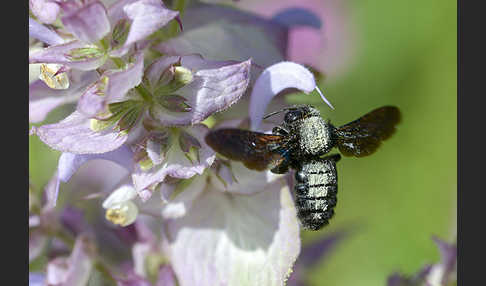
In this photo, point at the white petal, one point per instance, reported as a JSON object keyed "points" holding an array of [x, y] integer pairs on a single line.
{"points": [[80, 262], [89, 23], [120, 195], [147, 16], [236, 240], [180, 205], [44, 34], [74, 135], [247, 181], [275, 79]]}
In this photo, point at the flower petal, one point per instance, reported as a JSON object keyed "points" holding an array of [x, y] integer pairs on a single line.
{"points": [[89, 23], [132, 280], [236, 240], [181, 204], [176, 164], [52, 190], [69, 163], [119, 83], [43, 34], [73, 219], [275, 79], [120, 195], [74, 270], [46, 11], [43, 99], [148, 16], [212, 90], [166, 277], [74, 135], [56, 271], [116, 11], [440, 274], [80, 262], [292, 17], [36, 279], [233, 34], [247, 182], [60, 54], [37, 241]]}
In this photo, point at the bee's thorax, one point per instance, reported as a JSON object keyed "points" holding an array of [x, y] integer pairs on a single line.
{"points": [[314, 136]]}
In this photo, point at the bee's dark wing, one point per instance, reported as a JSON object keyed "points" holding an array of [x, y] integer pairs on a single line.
{"points": [[256, 150], [363, 136]]}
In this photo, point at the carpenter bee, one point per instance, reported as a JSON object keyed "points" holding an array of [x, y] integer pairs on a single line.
{"points": [[301, 143]]}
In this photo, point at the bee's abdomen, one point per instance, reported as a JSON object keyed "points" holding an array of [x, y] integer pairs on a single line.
{"points": [[315, 192]]}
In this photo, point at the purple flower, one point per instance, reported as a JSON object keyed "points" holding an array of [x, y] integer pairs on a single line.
{"points": [[234, 34], [150, 265], [36, 279], [443, 273], [45, 10], [149, 113], [100, 33], [75, 269], [43, 99]]}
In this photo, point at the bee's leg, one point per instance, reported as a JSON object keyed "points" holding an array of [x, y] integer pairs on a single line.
{"points": [[284, 165], [334, 157], [279, 130], [281, 168]]}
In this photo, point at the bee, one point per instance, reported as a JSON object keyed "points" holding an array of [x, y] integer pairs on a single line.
{"points": [[302, 143]]}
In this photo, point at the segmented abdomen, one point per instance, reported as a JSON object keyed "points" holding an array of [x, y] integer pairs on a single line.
{"points": [[315, 192]]}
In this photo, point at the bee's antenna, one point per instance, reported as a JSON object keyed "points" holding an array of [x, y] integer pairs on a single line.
{"points": [[276, 112]]}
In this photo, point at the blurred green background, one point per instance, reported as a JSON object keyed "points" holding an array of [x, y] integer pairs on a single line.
{"points": [[396, 199], [406, 192]]}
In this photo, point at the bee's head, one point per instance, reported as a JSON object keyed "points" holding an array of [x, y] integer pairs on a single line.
{"points": [[299, 112]]}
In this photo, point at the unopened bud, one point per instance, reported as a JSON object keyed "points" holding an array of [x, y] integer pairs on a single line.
{"points": [[120, 33], [122, 214], [182, 75], [174, 102], [85, 53]]}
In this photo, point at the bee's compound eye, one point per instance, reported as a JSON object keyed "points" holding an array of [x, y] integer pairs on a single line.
{"points": [[292, 116]]}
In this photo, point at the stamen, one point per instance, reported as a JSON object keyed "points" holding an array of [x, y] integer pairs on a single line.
{"points": [[324, 98]]}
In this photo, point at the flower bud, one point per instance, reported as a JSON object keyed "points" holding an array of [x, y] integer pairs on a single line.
{"points": [[85, 53], [174, 102], [190, 146], [120, 33], [122, 214], [182, 75]]}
